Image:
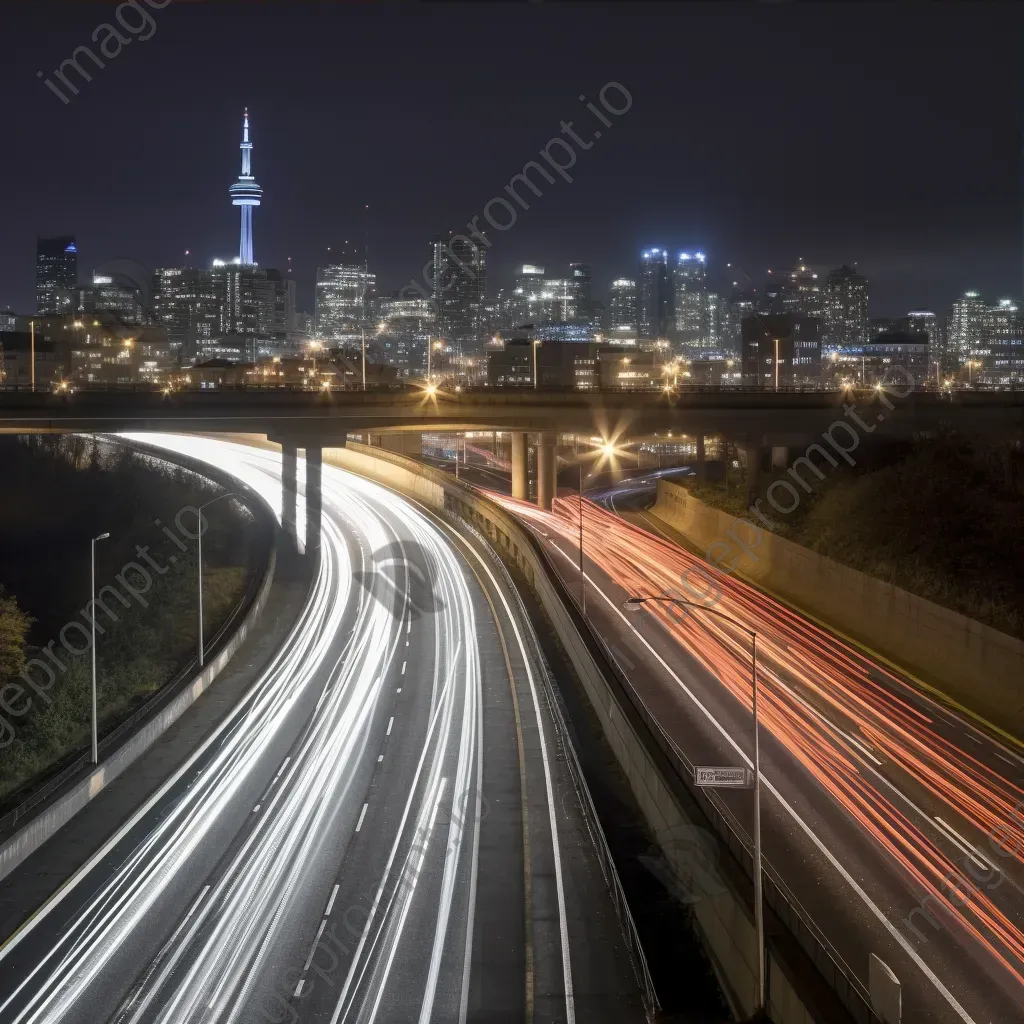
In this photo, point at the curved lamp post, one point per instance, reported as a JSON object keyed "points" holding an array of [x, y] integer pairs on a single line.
{"points": [[634, 604]]}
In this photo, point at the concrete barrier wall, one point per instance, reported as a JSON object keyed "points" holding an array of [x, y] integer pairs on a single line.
{"points": [[724, 917], [28, 839], [974, 664]]}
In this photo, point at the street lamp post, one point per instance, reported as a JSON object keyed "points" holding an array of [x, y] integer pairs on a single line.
{"points": [[199, 567], [633, 604], [536, 342], [92, 617], [362, 332]]}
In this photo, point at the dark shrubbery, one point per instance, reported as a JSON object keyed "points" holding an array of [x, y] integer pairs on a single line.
{"points": [[60, 492], [942, 518]]}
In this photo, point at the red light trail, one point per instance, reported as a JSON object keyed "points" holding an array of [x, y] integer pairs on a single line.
{"points": [[809, 678]]}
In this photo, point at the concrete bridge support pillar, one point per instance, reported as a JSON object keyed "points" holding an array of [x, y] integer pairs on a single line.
{"points": [[314, 502], [780, 457], [520, 483], [289, 490], [700, 466], [547, 470], [313, 445]]}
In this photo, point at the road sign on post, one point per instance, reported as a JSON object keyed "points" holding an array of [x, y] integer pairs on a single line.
{"points": [[729, 778]]}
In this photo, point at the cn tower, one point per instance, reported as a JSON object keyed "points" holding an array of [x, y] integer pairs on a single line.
{"points": [[246, 194]]}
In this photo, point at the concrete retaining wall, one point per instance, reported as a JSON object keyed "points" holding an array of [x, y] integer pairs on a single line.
{"points": [[974, 664]]}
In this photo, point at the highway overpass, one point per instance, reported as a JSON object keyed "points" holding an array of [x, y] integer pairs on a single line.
{"points": [[755, 420], [769, 417]]}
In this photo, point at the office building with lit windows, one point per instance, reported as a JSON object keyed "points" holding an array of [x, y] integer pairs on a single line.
{"points": [[187, 303], [691, 321], [56, 274], [781, 349], [794, 290], [654, 295], [458, 283], [845, 308], [106, 295], [537, 298], [998, 358], [733, 310], [343, 293], [963, 328], [580, 305], [622, 307]]}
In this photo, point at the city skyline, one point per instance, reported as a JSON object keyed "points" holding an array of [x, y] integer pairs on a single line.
{"points": [[921, 242]]}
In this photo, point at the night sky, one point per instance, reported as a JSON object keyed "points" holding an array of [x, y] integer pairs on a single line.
{"points": [[889, 135]]}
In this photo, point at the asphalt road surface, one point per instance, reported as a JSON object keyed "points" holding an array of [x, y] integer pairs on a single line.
{"points": [[383, 828]]}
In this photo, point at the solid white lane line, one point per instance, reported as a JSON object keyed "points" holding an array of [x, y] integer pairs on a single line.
{"points": [[1006, 759], [362, 814], [298, 988], [330, 902], [965, 847], [404, 663], [391, 722]]}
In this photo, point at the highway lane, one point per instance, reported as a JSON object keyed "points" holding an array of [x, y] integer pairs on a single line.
{"points": [[333, 851], [874, 794]]}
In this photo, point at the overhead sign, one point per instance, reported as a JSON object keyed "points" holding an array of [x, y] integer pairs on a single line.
{"points": [[736, 778]]}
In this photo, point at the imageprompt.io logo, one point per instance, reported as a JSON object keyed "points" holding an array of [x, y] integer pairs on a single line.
{"points": [[687, 864]]}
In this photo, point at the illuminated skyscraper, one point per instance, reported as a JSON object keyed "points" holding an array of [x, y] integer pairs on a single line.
{"points": [[794, 290], [246, 194], [963, 332], [187, 303], [690, 300], [738, 306], [459, 282], [622, 309], [342, 299], [999, 355], [846, 308], [581, 306], [654, 299], [56, 274]]}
